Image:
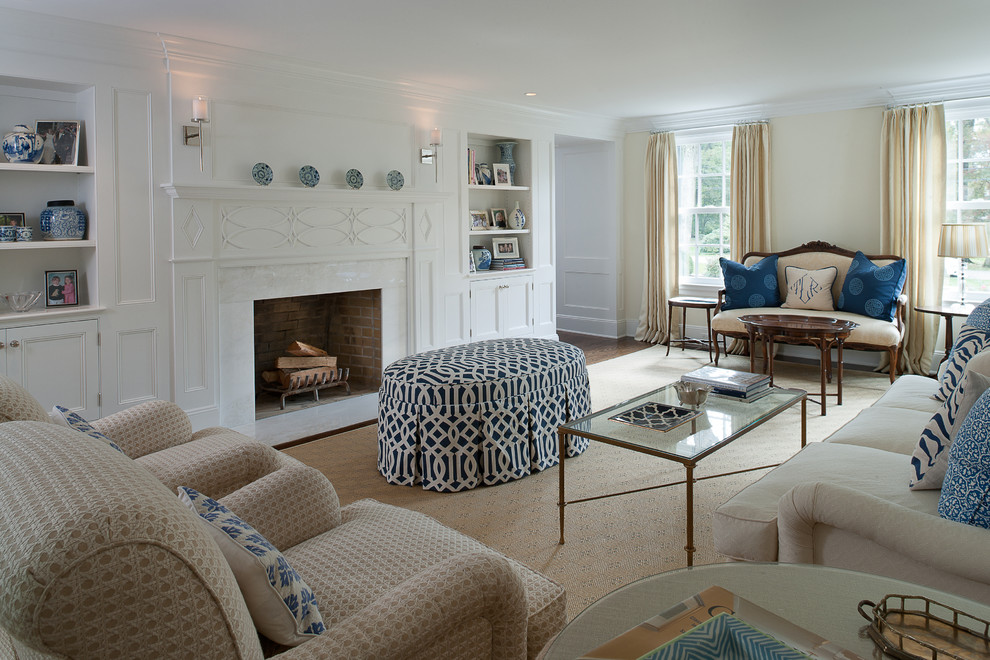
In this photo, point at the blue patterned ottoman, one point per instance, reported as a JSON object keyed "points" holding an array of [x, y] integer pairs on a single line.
{"points": [[481, 413]]}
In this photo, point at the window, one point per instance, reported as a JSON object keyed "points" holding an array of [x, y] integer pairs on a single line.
{"points": [[704, 170], [967, 195]]}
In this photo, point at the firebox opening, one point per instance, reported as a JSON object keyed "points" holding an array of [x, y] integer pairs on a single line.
{"points": [[346, 325]]}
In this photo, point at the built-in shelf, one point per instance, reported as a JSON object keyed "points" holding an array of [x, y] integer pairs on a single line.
{"points": [[43, 313], [46, 245], [51, 169], [499, 273], [475, 186], [477, 232]]}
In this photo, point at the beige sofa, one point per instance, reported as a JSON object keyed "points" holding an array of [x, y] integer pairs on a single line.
{"points": [[845, 502], [871, 335], [98, 557]]}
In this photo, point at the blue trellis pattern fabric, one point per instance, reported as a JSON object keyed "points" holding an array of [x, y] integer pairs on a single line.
{"points": [[872, 290], [750, 286], [980, 316], [809, 289], [726, 637], [931, 457], [282, 606], [965, 493], [65, 417], [481, 413], [969, 342]]}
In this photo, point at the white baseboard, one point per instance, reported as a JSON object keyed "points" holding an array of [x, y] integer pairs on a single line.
{"points": [[589, 326]]}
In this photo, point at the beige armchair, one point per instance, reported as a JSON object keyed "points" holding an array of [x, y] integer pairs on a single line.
{"points": [[99, 559], [159, 436]]}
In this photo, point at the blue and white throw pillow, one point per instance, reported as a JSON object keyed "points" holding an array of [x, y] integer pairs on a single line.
{"points": [[969, 342], [872, 290], [931, 457], [965, 493], [980, 316], [282, 606], [750, 286], [65, 417]]}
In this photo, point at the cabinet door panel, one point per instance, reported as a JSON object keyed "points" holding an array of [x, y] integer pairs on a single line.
{"points": [[484, 310], [58, 363], [515, 308]]}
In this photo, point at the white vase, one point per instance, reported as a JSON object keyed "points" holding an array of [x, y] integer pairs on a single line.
{"points": [[517, 220]]}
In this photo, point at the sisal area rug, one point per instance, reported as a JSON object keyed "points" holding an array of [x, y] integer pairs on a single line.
{"points": [[614, 541]]}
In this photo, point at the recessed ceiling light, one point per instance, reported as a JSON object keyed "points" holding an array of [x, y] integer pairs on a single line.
{"points": [[530, 93]]}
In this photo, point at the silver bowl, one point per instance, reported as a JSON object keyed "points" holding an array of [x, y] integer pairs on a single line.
{"points": [[21, 301], [692, 394]]}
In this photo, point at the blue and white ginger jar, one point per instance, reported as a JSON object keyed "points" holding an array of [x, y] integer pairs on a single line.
{"points": [[23, 145], [482, 257], [63, 221]]}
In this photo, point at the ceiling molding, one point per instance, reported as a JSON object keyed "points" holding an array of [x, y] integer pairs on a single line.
{"points": [[943, 90]]}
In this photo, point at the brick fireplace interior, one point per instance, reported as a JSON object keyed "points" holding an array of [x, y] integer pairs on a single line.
{"points": [[347, 325]]}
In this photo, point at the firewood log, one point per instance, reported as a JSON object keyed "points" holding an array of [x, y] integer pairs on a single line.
{"points": [[301, 349]]}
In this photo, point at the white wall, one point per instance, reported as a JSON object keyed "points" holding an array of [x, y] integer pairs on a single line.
{"points": [[825, 185], [586, 218]]}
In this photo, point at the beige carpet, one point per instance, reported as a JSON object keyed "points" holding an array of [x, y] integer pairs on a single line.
{"points": [[614, 541]]}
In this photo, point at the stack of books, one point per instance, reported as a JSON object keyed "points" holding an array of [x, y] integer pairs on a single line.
{"points": [[507, 264], [739, 384]]}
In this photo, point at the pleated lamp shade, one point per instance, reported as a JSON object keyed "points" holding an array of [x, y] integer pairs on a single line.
{"points": [[963, 240]]}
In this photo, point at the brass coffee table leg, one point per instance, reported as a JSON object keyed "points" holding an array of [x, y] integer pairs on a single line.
{"points": [[689, 486], [561, 503]]}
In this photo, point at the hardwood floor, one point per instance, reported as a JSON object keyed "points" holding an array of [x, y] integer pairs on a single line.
{"points": [[599, 349]]}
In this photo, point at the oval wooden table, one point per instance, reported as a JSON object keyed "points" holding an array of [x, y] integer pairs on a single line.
{"points": [[822, 332]]}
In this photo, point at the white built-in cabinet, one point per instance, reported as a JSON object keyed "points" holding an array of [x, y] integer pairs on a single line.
{"points": [[502, 307], [50, 350], [502, 302], [58, 363]]}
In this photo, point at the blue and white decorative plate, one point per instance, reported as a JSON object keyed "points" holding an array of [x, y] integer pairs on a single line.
{"points": [[395, 180], [262, 174], [309, 176], [354, 179]]}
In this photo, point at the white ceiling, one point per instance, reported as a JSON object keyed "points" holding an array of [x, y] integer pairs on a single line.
{"points": [[625, 58]]}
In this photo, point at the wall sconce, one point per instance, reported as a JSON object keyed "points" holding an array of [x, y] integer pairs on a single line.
{"points": [[193, 135], [432, 155]]}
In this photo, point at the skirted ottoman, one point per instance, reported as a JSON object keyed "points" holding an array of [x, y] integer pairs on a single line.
{"points": [[481, 413]]}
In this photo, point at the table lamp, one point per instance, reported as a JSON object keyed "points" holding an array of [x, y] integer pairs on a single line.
{"points": [[963, 241]]}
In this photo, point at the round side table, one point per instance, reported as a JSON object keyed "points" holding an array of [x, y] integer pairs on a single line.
{"points": [[947, 312], [686, 303]]}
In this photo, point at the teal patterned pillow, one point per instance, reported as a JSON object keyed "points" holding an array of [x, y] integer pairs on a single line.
{"points": [[750, 286], [965, 494], [65, 417], [980, 316], [969, 342], [282, 606]]}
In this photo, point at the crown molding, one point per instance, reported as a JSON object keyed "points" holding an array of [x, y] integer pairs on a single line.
{"points": [[956, 89]]}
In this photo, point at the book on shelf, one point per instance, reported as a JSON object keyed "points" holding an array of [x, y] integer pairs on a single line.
{"points": [[752, 395], [507, 264], [727, 379], [675, 626], [472, 173]]}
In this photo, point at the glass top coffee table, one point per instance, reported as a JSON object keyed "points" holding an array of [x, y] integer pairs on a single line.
{"points": [[820, 599], [721, 420]]}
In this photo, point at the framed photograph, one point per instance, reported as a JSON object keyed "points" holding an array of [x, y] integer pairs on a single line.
{"points": [[479, 220], [471, 266], [12, 220], [60, 288], [501, 174], [500, 220], [505, 248], [61, 145]]}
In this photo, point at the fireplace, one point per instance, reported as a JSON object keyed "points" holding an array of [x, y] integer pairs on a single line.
{"points": [[240, 286], [347, 325]]}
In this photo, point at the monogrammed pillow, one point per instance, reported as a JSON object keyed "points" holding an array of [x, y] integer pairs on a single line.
{"points": [[809, 289]]}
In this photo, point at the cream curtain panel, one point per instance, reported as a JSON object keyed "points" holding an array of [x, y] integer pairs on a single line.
{"points": [[912, 210], [660, 282], [750, 204], [750, 208]]}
